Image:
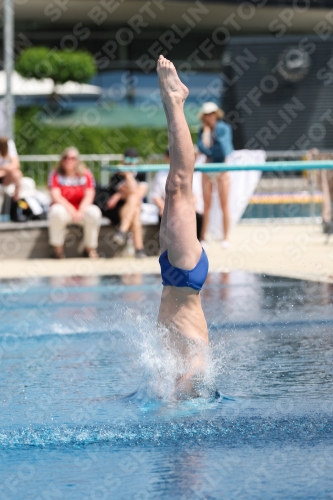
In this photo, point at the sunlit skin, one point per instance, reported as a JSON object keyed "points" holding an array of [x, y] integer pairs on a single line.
{"points": [[209, 120], [159, 202], [132, 193], [180, 315], [69, 164], [11, 174]]}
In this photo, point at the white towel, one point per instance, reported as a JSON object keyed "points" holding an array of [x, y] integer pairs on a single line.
{"points": [[243, 185]]}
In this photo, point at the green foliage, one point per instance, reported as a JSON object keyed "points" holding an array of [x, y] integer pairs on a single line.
{"points": [[32, 63], [33, 137], [59, 65]]}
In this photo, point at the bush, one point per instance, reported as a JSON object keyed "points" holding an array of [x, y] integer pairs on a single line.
{"points": [[59, 65], [33, 137]]}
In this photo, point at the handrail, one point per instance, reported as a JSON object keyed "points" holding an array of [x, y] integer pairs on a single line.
{"points": [[85, 157], [119, 157], [269, 166]]}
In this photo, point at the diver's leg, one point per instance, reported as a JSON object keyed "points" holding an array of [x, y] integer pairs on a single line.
{"points": [[179, 222], [178, 226], [163, 228]]}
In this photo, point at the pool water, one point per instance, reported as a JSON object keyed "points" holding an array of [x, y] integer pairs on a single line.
{"points": [[81, 367]]}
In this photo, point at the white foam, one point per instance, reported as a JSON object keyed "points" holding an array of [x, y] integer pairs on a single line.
{"points": [[162, 366]]}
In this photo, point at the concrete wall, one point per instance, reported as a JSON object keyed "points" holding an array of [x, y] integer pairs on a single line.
{"points": [[30, 241]]}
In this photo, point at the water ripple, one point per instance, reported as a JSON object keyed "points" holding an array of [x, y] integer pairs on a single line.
{"points": [[253, 430]]}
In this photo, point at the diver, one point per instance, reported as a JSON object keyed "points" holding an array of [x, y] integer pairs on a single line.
{"points": [[183, 261]]}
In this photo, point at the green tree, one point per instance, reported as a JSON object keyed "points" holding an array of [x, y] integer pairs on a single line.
{"points": [[59, 65]]}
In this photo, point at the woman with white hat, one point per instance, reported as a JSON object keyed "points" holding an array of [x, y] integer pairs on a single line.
{"points": [[215, 141]]}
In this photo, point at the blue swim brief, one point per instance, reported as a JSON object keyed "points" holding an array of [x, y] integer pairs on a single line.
{"points": [[173, 276]]}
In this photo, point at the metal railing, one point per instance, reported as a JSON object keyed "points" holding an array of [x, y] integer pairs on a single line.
{"points": [[273, 166], [282, 196], [289, 199], [39, 166], [286, 191]]}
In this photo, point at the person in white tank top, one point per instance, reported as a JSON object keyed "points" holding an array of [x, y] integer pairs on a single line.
{"points": [[10, 172]]}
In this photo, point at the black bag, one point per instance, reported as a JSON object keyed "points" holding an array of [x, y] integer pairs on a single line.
{"points": [[21, 210], [102, 196]]}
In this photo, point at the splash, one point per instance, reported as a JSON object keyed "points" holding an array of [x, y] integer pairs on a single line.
{"points": [[258, 431], [165, 366]]}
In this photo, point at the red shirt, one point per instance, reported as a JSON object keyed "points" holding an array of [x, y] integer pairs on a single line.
{"points": [[72, 188]]}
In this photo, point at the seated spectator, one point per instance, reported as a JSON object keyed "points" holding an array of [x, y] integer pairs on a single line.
{"points": [[157, 194], [72, 189], [123, 206], [10, 173]]}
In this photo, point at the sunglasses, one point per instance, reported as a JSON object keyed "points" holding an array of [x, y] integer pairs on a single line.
{"points": [[130, 160]]}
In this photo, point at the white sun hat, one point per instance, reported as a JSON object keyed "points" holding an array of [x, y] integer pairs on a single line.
{"points": [[210, 107]]}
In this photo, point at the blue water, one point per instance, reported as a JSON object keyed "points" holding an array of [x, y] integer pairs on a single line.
{"points": [[82, 412]]}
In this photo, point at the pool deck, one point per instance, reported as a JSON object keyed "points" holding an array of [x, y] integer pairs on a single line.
{"points": [[296, 251]]}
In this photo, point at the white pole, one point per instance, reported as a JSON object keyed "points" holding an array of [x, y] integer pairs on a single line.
{"points": [[9, 61]]}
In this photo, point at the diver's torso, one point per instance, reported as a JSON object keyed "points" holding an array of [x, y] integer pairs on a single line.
{"points": [[181, 311]]}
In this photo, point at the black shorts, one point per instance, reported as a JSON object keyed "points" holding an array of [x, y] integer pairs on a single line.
{"points": [[113, 213], [1, 179]]}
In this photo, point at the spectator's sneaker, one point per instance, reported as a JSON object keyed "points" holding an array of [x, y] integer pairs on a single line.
{"points": [[119, 238], [327, 227], [16, 214], [225, 245], [58, 254], [140, 254], [91, 253]]}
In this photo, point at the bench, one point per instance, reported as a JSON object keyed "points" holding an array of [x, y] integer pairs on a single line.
{"points": [[29, 240]]}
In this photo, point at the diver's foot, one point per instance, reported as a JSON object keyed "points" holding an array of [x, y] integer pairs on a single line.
{"points": [[171, 88]]}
